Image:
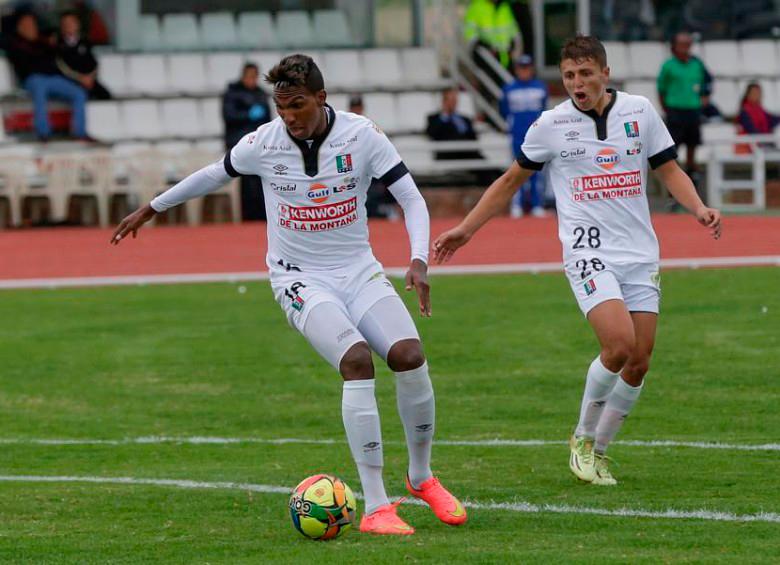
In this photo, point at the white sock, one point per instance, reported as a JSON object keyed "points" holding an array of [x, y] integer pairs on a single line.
{"points": [[361, 421], [619, 405], [598, 385], [417, 408]]}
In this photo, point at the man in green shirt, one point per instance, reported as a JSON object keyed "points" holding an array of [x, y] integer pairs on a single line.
{"points": [[682, 83]]}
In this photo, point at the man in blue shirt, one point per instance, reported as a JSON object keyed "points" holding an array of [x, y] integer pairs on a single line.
{"points": [[523, 101]]}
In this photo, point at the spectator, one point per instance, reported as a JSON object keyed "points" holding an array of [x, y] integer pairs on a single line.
{"points": [[91, 21], [682, 83], [356, 104], [34, 61], [448, 125], [753, 118], [75, 59], [522, 102], [491, 24], [244, 109]]}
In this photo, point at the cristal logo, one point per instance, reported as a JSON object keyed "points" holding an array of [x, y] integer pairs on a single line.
{"points": [[318, 193], [607, 158]]}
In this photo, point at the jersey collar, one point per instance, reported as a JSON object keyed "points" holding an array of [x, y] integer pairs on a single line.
{"points": [[311, 153], [601, 121]]}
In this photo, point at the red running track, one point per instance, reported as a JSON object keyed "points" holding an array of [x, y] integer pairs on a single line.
{"points": [[85, 252]]}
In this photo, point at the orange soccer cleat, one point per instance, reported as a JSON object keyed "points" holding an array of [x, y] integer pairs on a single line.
{"points": [[385, 521], [447, 508]]}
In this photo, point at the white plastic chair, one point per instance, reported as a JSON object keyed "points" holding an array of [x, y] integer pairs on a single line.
{"points": [[104, 121], [617, 60], [180, 32], [222, 69], [759, 58], [382, 69], [381, 108], [147, 74], [142, 119], [421, 68], [7, 81], [218, 30], [332, 28], [180, 118], [646, 88], [721, 58], [646, 58], [294, 29], [256, 30], [344, 70], [151, 37], [726, 95], [187, 74], [113, 73], [413, 110]]}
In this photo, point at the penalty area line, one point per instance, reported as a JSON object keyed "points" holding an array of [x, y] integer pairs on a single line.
{"points": [[517, 506]]}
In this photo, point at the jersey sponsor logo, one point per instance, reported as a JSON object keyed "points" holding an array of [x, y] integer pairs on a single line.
{"points": [[289, 187], [571, 135], [318, 193], [277, 147], [590, 287], [344, 163], [575, 154], [632, 129], [607, 187], [280, 169], [564, 121], [318, 218], [635, 149], [607, 158], [337, 144]]}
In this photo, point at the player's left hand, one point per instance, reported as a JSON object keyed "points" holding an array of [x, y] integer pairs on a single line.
{"points": [[417, 277], [710, 218]]}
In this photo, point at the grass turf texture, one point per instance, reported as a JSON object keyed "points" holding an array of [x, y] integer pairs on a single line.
{"points": [[508, 356]]}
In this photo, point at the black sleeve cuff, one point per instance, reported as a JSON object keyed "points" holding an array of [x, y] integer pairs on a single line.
{"points": [[527, 163], [229, 166], [668, 154], [394, 174]]}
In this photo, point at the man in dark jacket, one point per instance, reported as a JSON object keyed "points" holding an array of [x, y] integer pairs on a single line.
{"points": [[448, 125], [33, 59], [244, 109], [75, 59]]}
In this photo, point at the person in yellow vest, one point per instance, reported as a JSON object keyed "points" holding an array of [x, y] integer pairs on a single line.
{"points": [[492, 24]]}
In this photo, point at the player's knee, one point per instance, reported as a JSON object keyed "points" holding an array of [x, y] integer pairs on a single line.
{"points": [[356, 364], [617, 353], [405, 355], [635, 370]]}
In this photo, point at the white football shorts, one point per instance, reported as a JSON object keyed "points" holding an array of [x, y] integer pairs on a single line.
{"points": [[638, 285]]}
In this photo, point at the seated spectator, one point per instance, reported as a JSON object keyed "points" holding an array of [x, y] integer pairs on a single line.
{"points": [[34, 61], [244, 109], [753, 118], [90, 20], [448, 125], [75, 59]]}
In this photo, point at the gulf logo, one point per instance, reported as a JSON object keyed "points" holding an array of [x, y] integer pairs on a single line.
{"points": [[607, 158], [318, 193]]}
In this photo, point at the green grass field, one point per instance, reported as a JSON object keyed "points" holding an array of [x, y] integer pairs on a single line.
{"points": [[508, 356]]}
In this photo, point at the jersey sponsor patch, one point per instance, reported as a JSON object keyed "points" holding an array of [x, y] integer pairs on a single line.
{"points": [[344, 163], [635, 149], [606, 187], [318, 218], [632, 129], [607, 158]]}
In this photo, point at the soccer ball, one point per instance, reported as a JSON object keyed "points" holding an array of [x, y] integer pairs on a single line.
{"points": [[322, 507]]}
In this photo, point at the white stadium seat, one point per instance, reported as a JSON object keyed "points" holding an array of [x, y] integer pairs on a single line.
{"points": [[187, 73], [646, 58], [381, 108], [218, 30], [147, 74], [294, 29], [344, 70], [721, 58], [421, 68], [7, 80], [210, 115], [151, 37], [770, 90], [726, 95], [222, 69], [617, 60], [413, 109], [211, 148], [332, 29], [112, 70], [104, 121], [646, 88], [256, 30], [141, 119], [382, 68], [759, 58], [180, 32], [339, 101], [180, 118], [466, 105]]}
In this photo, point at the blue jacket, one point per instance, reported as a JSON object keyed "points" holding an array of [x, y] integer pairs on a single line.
{"points": [[521, 104]]}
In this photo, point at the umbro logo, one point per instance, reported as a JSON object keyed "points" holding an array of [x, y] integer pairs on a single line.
{"points": [[280, 169], [571, 135], [424, 427], [371, 446]]}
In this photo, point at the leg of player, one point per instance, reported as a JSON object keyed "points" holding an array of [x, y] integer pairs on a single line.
{"points": [[625, 392], [390, 331], [614, 329], [336, 339]]}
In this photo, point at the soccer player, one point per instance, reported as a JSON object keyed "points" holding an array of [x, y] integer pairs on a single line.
{"points": [[316, 165], [595, 150]]}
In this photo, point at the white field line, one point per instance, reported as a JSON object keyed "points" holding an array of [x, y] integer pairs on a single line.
{"points": [[518, 506], [210, 440], [683, 263]]}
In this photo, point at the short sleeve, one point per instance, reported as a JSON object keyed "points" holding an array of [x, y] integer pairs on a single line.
{"points": [[386, 163], [660, 145], [238, 161], [536, 150]]}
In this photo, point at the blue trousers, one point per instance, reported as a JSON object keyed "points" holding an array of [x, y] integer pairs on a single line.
{"points": [[530, 194], [44, 87]]}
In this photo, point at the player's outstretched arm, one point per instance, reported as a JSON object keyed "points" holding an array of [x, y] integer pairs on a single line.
{"points": [[682, 189], [132, 223], [492, 203]]}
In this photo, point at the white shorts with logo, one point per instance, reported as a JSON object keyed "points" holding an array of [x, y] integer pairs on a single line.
{"points": [[638, 285]]}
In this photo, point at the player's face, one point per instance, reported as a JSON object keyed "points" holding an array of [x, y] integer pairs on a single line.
{"points": [[300, 110], [585, 82]]}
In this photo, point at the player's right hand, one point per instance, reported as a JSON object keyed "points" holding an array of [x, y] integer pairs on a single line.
{"points": [[132, 223], [447, 243]]}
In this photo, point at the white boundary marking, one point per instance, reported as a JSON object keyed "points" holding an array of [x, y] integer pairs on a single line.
{"points": [[210, 440], [501, 268], [519, 506]]}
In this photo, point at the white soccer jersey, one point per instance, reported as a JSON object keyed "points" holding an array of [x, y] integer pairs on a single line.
{"points": [[598, 167], [315, 194]]}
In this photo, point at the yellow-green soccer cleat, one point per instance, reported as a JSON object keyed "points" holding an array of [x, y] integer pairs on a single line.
{"points": [[581, 458], [603, 476]]}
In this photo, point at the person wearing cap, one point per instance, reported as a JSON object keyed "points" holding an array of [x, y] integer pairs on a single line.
{"points": [[522, 102]]}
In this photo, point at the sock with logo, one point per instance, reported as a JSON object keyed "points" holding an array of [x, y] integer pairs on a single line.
{"points": [[598, 385], [619, 405], [361, 422], [417, 409]]}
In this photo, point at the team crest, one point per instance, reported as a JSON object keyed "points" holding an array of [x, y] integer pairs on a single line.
{"points": [[632, 129], [344, 163]]}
